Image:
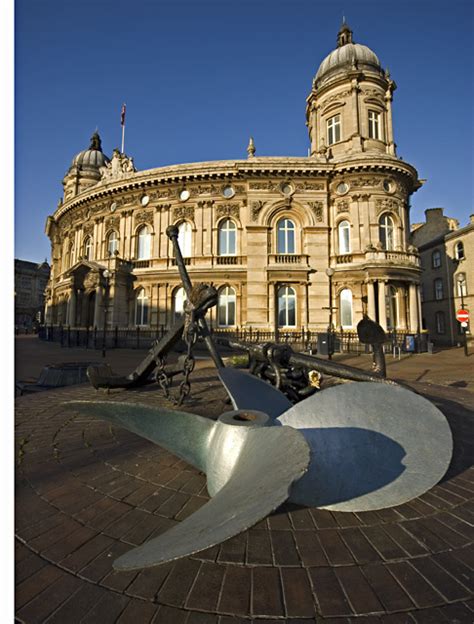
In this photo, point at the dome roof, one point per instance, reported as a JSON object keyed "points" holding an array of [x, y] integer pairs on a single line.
{"points": [[92, 157], [346, 55]]}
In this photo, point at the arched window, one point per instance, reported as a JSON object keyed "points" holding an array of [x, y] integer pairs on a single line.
{"points": [[438, 289], [141, 309], [286, 307], [391, 308], [345, 302], [387, 232], [459, 250], [227, 238], [344, 231], [112, 243], [144, 243], [185, 239], [226, 307], [179, 298], [88, 248], [286, 237], [440, 323], [436, 259]]}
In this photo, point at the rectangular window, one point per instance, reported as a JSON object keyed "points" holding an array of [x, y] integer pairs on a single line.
{"points": [[334, 129], [374, 125], [436, 259], [461, 287], [438, 289], [440, 324]]}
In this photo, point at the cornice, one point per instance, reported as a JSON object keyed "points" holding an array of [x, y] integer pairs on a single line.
{"points": [[278, 166]]}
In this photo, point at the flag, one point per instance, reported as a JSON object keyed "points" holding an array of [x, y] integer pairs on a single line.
{"points": [[122, 115]]}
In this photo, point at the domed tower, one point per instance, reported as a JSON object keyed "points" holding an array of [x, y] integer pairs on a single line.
{"points": [[85, 168], [349, 107], [374, 270]]}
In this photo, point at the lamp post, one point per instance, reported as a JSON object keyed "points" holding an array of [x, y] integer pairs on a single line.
{"points": [[330, 273], [106, 274], [462, 283]]}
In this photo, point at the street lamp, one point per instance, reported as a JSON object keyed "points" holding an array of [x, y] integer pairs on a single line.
{"points": [[330, 273], [461, 279], [106, 274]]}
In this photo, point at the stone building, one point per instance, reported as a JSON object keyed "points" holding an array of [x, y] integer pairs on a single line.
{"points": [[447, 279], [290, 242], [31, 279]]}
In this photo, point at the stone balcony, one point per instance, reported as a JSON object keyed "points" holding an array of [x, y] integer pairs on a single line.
{"points": [[300, 259], [380, 257]]}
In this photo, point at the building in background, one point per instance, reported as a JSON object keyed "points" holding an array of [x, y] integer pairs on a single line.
{"points": [[447, 280], [291, 243], [31, 280]]}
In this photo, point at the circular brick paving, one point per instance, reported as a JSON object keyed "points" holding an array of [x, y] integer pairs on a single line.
{"points": [[87, 492]]}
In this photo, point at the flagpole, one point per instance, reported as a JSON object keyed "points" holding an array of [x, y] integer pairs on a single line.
{"points": [[122, 123]]}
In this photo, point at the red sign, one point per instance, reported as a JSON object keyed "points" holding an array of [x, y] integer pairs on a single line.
{"points": [[462, 316]]}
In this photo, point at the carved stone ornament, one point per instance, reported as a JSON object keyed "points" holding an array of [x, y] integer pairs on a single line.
{"points": [[162, 207], [264, 186], [88, 228], [228, 210], [332, 98], [143, 216], [309, 186], [183, 212], [255, 208], [205, 203], [317, 209], [365, 181], [91, 280], [121, 166], [112, 222], [387, 204], [342, 206]]}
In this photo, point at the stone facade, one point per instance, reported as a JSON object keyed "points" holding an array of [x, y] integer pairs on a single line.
{"points": [[263, 230], [446, 253], [30, 285]]}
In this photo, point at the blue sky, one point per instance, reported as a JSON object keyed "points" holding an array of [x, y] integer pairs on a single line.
{"points": [[200, 77]]}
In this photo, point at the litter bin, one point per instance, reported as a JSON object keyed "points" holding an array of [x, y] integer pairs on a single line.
{"points": [[430, 347], [409, 346], [324, 343]]}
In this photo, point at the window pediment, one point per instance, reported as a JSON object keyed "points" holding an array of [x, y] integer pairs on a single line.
{"points": [[332, 107]]}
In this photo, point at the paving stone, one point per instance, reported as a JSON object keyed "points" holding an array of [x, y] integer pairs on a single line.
{"points": [[72, 611], [235, 594], [176, 587], [107, 610], [421, 592], [357, 589], [138, 612], [267, 598], [206, 589], [45, 603], [329, 594], [387, 589], [297, 592]]}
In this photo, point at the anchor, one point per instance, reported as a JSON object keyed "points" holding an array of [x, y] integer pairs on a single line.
{"points": [[364, 445]]}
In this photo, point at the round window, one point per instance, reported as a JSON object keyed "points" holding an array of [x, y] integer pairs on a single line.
{"points": [[286, 188], [145, 200], [113, 206], [342, 188], [228, 191], [184, 195], [387, 186]]}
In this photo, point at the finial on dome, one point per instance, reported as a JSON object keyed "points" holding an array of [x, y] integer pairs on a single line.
{"points": [[251, 148], [344, 35], [96, 143]]}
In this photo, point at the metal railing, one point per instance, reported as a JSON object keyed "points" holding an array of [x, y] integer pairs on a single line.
{"points": [[300, 340]]}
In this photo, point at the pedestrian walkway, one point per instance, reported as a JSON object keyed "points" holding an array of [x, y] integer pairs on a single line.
{"points": [[88, 492]]}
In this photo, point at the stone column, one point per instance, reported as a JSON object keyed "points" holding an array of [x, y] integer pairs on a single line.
{"points": [[271, 306], [98, 308], [371, 300], [413, 305], [389, 137], [71, 308], [420, 314], [355, 107], [313, 129], [382, 305], [402, 308]]}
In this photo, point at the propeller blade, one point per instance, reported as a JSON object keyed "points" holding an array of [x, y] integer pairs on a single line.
{"points": [[249, 392], [373, 446], [270, 461], [183, 434]]}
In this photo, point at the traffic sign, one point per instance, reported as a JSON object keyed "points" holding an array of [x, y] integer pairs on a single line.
{"points": [[462, 315], [464, 324]]}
